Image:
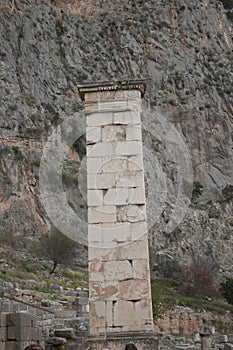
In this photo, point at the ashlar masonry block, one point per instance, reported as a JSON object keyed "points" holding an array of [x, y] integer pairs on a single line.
{"points": [[116, 196], [93, 134], [126, 318], [129, 179], [115, 164], [101, 181], [133, 132], [95, 198], [99, 119], [101, 214], [113, 133]]}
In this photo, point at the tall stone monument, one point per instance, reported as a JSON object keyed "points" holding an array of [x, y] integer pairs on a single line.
{"points": [[119, 277]]}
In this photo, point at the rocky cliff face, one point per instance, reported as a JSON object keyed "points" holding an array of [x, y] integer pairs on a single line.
{"points": [[184, 51]]}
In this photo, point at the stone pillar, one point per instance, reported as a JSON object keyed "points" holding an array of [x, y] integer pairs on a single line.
{"points": [[119, 277]]}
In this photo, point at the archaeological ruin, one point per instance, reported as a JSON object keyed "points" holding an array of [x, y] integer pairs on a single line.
{"points": [[119, 277]]}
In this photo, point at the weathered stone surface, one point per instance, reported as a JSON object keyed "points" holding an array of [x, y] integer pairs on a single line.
{"points": [[135, 163], [126, 318], [113, 133], [119, 271], [56, 341], [116, 232], [67, 333], [102, 214], [131, 213], [117, 196], [228, 346], [93, 134], [100, 181], [133, 133], [136, 195], [134, 289], [114, 164], [94, 164], [103, 149], [129, 117], [143, 314], [95, 198], [99, 119], [126, 148], [129, 179]]}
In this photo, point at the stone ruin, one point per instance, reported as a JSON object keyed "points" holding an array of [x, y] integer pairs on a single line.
{"points": [[119, 276]]}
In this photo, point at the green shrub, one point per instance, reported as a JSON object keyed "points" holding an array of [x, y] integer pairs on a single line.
{"points": [[227, 290], [156, 295], [228, 4], [227, 192], [197, 190], [69, 180]]}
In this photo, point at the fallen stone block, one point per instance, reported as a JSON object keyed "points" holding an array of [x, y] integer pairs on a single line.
{"points": [[228, 346], [223, 338], [67, 333], [56, 341]]}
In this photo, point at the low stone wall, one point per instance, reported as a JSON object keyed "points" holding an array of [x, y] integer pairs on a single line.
{"points": [[19, 329], [180, 320]]}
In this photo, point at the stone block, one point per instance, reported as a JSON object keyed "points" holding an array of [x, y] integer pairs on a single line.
{"points": [[2, 345], [101, 214], [223, 338], [129, 179], [228, 346], [127, 117], [95, 233], [113, 133], [127, 148], [143, 313], [67, 333], [94, 165], [96, 271], [123, 313], [3, 322], [115, 164], [95, 198], [137, 195], [120, 271], [103, 253], [97, 290], [135, 163], [133, 289], [100, 181], [13, 332], [116, 232], [131, 213], [138, 230], [109, 313], [103, 149], [230, 338], [116, 196], [141, 269], [93, 134], [99, 119], [11, 345], [133, 133], [56, 341], [133, 250], [3, 334], [61, 313], [21, 319]]}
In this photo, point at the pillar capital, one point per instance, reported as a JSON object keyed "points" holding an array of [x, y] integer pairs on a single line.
{"points": [[103, 86]]}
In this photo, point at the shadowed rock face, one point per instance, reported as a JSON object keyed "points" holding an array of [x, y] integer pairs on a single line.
{"points": [[183, 50]]}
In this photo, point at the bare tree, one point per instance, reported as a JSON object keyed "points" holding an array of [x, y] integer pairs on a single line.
{"points": [[55, 246]]}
